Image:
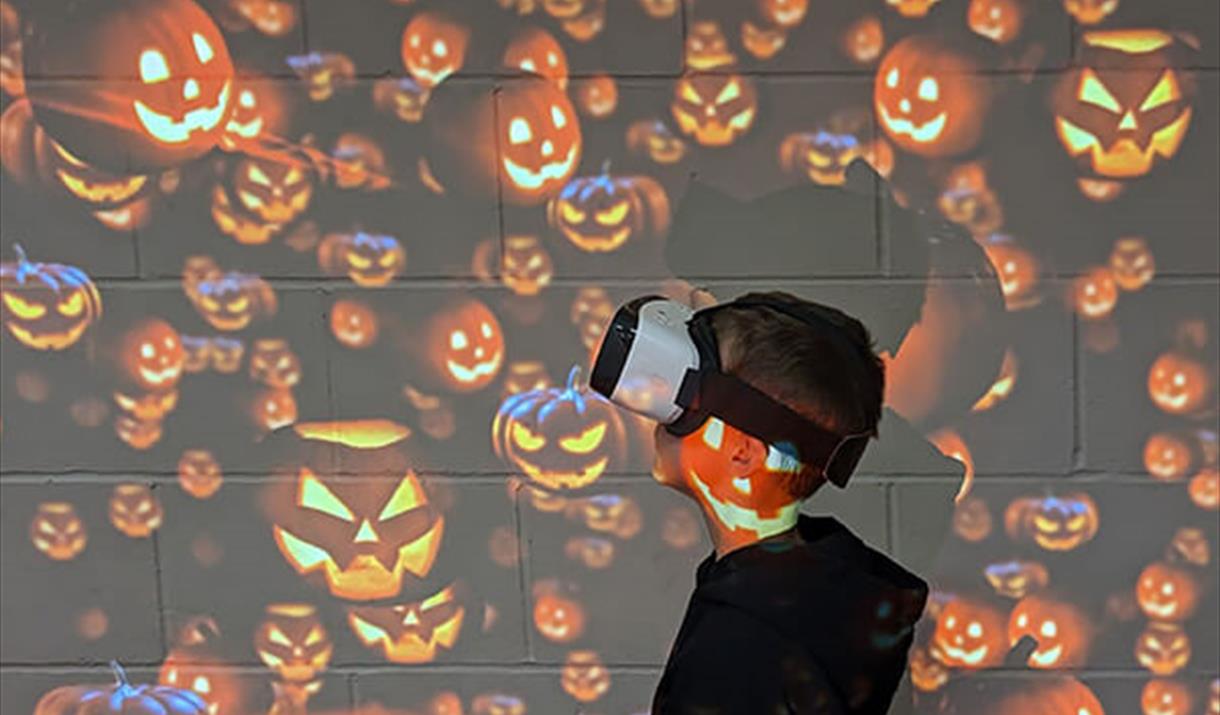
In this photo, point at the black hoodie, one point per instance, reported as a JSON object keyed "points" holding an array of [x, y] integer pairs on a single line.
{"points": [[816, 625]]}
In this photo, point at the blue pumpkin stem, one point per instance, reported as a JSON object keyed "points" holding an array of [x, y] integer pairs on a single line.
{"points": [[573, 377], [20, 251], [120, 675], [606, 167]]}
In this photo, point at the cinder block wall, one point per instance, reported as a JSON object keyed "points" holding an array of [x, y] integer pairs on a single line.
{"points": [[237, 215]]}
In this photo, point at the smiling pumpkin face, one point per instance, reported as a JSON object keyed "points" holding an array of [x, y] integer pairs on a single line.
{"points": [[1166, 592], [412, 632], [1061, 630], [969, 635], [433, 47], [46, 306], [151, 355], [173, 88], [540, 139], [465, 345], [930, 99]]}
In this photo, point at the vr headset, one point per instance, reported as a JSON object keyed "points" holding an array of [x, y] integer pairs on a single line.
{"points": [[659, 358]]}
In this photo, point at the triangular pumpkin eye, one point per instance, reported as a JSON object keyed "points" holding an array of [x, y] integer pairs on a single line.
{"points": [[276, 636], [690, 94], [313, 494], [1092, 91], [406, 497], [367, 632], [731, 91], [1165, 91]]}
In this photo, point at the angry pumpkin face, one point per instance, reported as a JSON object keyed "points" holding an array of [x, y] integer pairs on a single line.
{"points": [[274, 191], [46, 306], [199, 473], [599, 214], [714, 109], [465, 345], [371, 260], [292, 642], [231, 301], [274, 363], [135, 511], [413, 632], [57, 531]]}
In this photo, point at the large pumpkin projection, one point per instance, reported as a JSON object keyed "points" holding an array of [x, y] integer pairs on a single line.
{"points": [[121, 698], [364, 537], [1128, 105], [599, 214], [167, 84], [46, 306], [464, 345], [930, 99], [560, 437], [525, 143], [412, 632]]}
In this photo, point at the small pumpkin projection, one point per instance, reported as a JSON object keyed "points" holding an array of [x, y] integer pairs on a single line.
{"points": [[121, 698], [170, 85], [402, 96], [46, 306], [1090, 12], [1132, 263], [232, 301], [464, 345], [1016, 578], [536, 50], [654, 139], [1127, 106], [525, 265], [597, 96], [57, 531], [584, 676], [998, 20], [715, 109], [599, 214], [1163, 648], [151, 356], [1167, 592], [1055, 523], [274, 363], [370, 259], [292, 641], [1094, 293], [323, 72], [199, 473], [969, 634], [863, 40], [930, 98], [361, 539], [260, 109], [558, 616], [1062, 631], [353, 324], [414, 632], [1204, 489], [707, 47], [433, 47], [193, 664], [1163, 696], [1180, 384], [761, 40], [135, 510], [562, 438], [912, 8]]}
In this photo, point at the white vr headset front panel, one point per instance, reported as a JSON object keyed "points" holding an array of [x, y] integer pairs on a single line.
{"points": [[658, 359]]}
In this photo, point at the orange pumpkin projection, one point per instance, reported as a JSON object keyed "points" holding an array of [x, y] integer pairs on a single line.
{"points": [[823, 155], [1016, 579], [1167, 456], [912, 8], [998, 20], [497, 704], [660, 9], [1053, 523], [199, 473], [136, 433], [1094, 293], [785, 13], [592, 551], [1132, 263], [1190, 546], [1204, 489], [192, 664], [151, 355], [1046, 696], [1179, 384], [231, 301], [1163, 648], [1126, 106], [609, 513], [196, 353], [171, 88], [972, 519], [969, 634], [1166, 592], [274, 364], [149, 405], [135, 511], [680, 528], [371, 260], [600, 214], [584, 677], [525, 266], [559, 437], [927, 673], [652, 138], [1090, 12], [274, 191], [464, 345], [590, 312], [930, 99], [359, 163], [353, 324], [714, 109], [274, 18], [273, 408], [436, 417], [292, 642], [259, 110], [967, 198], [1062, 631], [707, 47], [402, 96], [120, 697], [226, 354], [1162, 696], [414, 632], [46, 306], [433, 47], [12, 80], [558, 618], [57, 531], [863, 40], [587, 25], [536, 50], [761, 41], [323, 72], [362, 537], [525, 375], [597, 96]]}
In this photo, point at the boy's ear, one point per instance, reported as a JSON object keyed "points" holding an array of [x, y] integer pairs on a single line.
{"points": [[747, 454]]}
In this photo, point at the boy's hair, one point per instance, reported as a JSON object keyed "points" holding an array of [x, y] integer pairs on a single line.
{"points": [[839, 389]]}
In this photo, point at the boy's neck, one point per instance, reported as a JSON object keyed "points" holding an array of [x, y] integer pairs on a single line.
{"points": [[726, 541]]}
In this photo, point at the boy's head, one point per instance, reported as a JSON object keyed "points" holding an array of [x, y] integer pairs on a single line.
{"points": [[836, 387]]}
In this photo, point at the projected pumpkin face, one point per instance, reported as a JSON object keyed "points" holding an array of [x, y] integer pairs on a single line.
{"points": [[1127, 106], [433, 47], [785, 13], [525, 375], [927, 673], [1132, 263], [655, 140], [57, 531], [525, 266], [584, 677], [715, 109], [292, 642], [135, 511], [363, 536], [597, 96], [194, 666], [465, 345], [258, 110], [540, 140], [536, 50], [599, 214], [756, 502], [1166, 592], [274, 364], [1204, 489], [1090, 12], [148, 405], [274, 191], [761, 41], [822, 156], [1163, 648], [1016, 579], [232, 300], [561, 438], [403, 96], [1166, 697], [1061, 630], [1094, 293], [969, 635], [226, 354], [353, 324], [967, 198], [557, 618], [998, 20], [930, 99], [707, 47], [136, 433], [1191, 546], [412, 632], [1178, 384], [1054, 523], [199, 473], [1017, 270], [151, 355], [46, 306], [369, 259], [864, 40], [323, 72], [273, 408], [176, 93]]}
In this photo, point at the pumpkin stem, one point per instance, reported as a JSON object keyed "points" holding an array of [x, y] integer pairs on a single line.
{"points": [[573, 376], [20, 251], [120, 675]]}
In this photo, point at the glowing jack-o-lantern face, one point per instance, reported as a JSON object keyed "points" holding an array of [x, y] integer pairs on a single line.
{"points": [[46, 306], [969, 635], [1016, 579], [1132, 263], [1126, 106], [1179, 384], [1061, 630], [57, 531], [823, 156], [258, 111], [758, 502], [194, 666], [274, 364], [864, 40], [231, 301], [363, 536], [1166, 592], [274, 191], [761, 41], [540, 140], [175, 91], [292, 642], [560, 437], [353, 324], [601, 213], [998, 20], [785, 13], [369, 259], [1017, 270], [199, 473], [1204, 489], [465, 345], [707, 47], [584, 676], [148, 405], [1161, 696], [1090, 12], [654, 139], [1163, 647], [433, 47], [1167, 456], [101, 189], [930, 99], [536, 50], [715, 109], [525, 266], [597, 96], [411, 632], [135, 511], [558, 618], [1054, 523], [151, 355], [912, 8]]}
